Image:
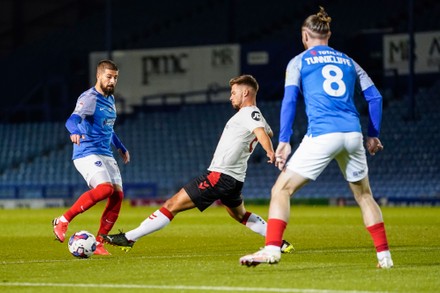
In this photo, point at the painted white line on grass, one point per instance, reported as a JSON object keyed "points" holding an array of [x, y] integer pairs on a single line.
{"points": [[196, 288], [308, 251]]}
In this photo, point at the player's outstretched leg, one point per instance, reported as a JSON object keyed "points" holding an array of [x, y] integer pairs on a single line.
{"points": [[118, 240], [256, 224], [286, 247]]}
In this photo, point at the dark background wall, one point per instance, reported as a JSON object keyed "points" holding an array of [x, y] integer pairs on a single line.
{"points": [[44, 44]]}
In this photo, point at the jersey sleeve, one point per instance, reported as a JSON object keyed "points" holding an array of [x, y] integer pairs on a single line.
{"points": [[72, 124], [118, 143], [288, 112], [252, 118], [374, 100], [85, 106], [291, 93], [364, 80], [267, 128], [293, 74]]}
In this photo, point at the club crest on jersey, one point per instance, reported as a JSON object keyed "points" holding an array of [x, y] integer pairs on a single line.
{"points": [[256, 115], [98, 163]]}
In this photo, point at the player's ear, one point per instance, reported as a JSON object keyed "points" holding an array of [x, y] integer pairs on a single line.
{"points": [[305, 36]]}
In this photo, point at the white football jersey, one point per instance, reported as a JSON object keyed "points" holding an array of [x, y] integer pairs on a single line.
{"points": [[238, 142]]}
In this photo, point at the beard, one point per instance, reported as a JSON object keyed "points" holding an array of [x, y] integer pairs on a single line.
{"points": [[108, 90], [236, 107]]}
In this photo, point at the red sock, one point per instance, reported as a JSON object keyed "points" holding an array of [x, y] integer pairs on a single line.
{"points": [[111, 212], [275, 231], [246, 218], [379, 236], [167, 213], [88, 199]]}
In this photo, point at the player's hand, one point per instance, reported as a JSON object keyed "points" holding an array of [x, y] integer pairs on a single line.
{"points": [[281, 154], [373, 145], [271, 156], [125, 156], [75, 138]]}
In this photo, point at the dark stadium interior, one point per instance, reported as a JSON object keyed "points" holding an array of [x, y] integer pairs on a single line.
{"points": [[44, 55]]}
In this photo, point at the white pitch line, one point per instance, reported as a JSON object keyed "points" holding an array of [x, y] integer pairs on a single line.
{"points": [[196, 288], [308, 251]]}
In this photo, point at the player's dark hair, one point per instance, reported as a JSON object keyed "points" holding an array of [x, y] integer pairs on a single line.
{"points": [[106, 64], [245, 79], [318, 23]]}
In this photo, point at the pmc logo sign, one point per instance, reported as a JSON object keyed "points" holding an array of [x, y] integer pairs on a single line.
{"points": [[163, 65]]}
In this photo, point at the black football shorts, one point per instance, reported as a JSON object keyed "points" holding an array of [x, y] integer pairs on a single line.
{"points": [[212, 186]]}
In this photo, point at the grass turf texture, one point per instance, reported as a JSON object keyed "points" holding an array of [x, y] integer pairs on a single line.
{"points": [[199, 252]]}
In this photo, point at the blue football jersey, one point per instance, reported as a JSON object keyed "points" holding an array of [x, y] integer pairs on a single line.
{"points": [[327, 79], [98, 115]]}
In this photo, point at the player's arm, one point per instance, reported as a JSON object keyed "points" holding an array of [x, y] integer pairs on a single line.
{"points": [[268, 130], [266, 143], [72, 126], [122, 150], [287, 116], [374, 99], [85, 106]]}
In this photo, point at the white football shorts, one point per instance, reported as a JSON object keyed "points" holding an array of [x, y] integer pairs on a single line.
{"points": [[315, 153], [97, 169]]}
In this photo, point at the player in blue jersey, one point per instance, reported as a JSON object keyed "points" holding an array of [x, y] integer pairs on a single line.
{"points": [[92, 135], [326, 78]]}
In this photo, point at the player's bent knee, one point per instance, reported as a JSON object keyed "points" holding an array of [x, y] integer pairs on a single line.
{"points": [[118, 195], [104, 190]]}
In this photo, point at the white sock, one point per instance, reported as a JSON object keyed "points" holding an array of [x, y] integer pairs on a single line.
{"points": [[382, 254], [273, 249], [154, 222], [257, 224], [63, 219]]}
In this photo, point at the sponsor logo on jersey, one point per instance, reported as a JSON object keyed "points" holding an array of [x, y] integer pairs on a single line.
{"points": [[109, 122], [98, 163], [256, 115]]}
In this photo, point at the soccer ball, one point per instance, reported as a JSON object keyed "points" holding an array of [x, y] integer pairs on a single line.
{"points": [[82, 244]]}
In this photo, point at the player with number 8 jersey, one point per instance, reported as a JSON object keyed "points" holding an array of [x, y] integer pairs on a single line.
{"points": [[327, 79]]}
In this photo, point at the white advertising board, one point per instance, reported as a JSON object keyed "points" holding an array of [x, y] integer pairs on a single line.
{"points": [[427, 53], [170, 70]]}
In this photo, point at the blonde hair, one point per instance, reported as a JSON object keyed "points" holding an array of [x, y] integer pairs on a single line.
{"points": [[318, 25]]}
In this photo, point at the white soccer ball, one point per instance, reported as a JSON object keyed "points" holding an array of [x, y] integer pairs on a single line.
{"points": [[82, 244]]}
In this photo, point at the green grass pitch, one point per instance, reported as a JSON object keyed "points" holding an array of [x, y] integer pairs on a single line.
{"points": [[199, 252]]}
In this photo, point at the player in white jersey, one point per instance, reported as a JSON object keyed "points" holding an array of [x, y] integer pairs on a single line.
{"points": [[327, 79], [225, 176]]}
